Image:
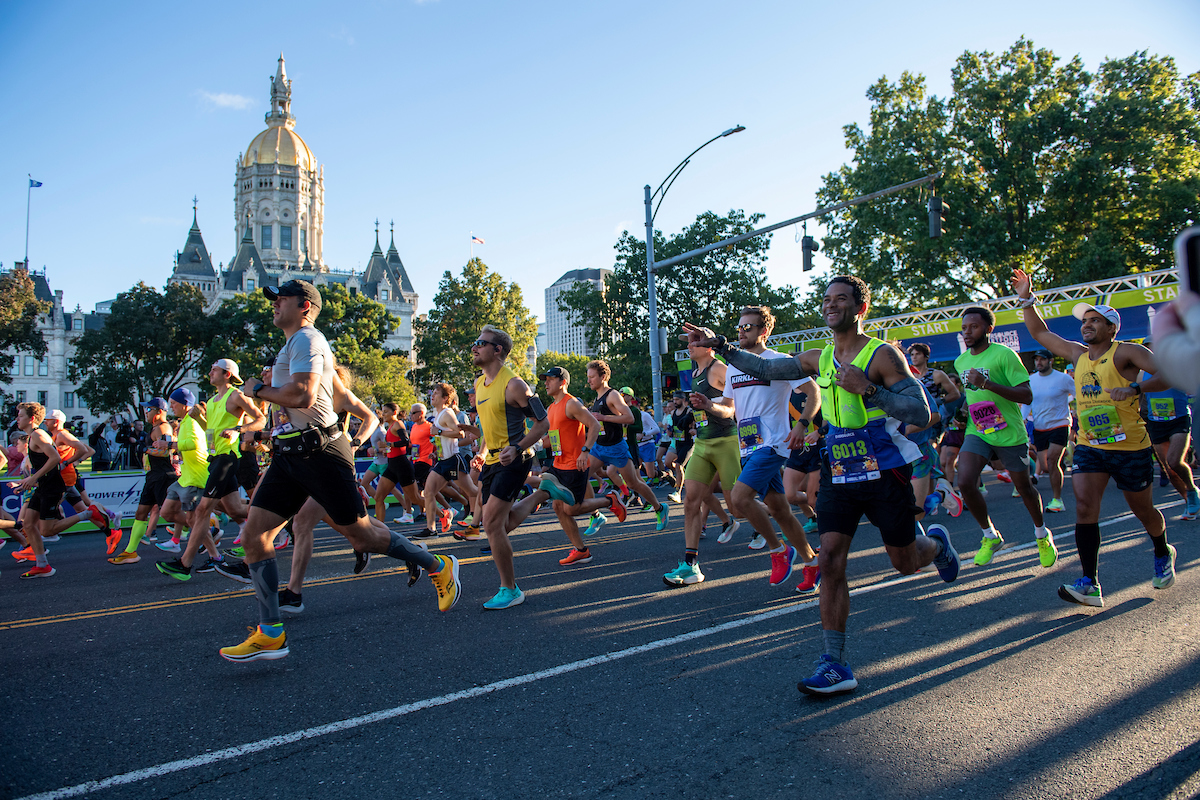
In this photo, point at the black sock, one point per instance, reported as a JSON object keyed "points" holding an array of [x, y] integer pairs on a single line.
{"points": [[1160, 545], [690, 556], [1087, 542]]}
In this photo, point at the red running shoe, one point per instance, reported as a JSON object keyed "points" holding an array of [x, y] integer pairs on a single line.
{"points": [[447, 517], [1004, 476], [618, 508], [812, 580], [39, 572]]}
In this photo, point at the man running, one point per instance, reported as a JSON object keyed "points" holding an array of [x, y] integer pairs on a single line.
{"points": [[72, 451], [935, 380], [1169, 425], [1051, 409], [46, 482], [995, 381], [310, 458], [1112, 440], [867, 393]]}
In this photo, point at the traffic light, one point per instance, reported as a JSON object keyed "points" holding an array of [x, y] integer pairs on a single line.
{"points": [[809, 246], [670, 382], [937, 216]]}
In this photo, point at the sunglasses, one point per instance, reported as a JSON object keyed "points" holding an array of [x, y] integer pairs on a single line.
{"points": [[482, 342], [746, 326]]}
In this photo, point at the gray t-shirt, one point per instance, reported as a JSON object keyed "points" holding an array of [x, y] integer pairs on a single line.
{"points": [[307, 351]]}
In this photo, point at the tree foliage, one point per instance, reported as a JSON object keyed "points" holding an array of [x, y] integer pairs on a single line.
{"points": [[461, 307], [712, 289], [575, 365], [19, 311], [1070, 175], [149, 343]]}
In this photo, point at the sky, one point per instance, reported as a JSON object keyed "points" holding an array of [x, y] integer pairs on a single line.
{"points": [[533, 125]]}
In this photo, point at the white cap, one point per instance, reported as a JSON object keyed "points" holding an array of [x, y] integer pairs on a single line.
{"points": [[58, 415], [1108, 312], [230, 366]]}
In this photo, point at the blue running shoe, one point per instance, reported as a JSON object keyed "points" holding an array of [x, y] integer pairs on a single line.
{"points": [[1193, 506], [661, 515], [829, 679], [947, 560], [506, 598], [1164, 569], [596, 524]]}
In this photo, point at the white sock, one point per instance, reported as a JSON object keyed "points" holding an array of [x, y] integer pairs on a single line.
{"points": [[991, 532], [781, 549], [1041, 532]]}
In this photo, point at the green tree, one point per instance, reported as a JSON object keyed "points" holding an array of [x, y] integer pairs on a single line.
{"points": [[712, 289], [576, 365], [461, 307], [149, 343], [19, 311], [1068, 175], [379, 377]]}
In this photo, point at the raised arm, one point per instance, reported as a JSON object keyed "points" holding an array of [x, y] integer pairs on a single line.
{"points": [[1056, 344]]}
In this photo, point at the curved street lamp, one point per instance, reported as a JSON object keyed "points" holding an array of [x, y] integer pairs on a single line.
{"points": [[651, 213]]}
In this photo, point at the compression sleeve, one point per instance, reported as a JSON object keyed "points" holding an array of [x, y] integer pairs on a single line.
{"points": [[768, 369], [905, 401]]}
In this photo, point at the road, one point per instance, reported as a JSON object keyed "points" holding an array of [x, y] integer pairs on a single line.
{"points": [[606, 683]]}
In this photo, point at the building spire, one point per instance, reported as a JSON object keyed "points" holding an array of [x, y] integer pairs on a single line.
{"points": [[377, 251], [195, 224], [281, 98]]}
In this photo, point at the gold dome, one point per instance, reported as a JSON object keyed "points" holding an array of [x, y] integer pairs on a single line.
{"points": [[292, 149]]}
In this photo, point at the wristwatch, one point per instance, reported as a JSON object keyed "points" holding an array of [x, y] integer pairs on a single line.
{"points": [[1137, 386], [871, 390], [586, 449], [356, 443], [254, 391]]}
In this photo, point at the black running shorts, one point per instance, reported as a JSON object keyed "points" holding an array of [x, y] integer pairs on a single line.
{"points": [[497, 480], [327, 477], [1131, 470], [399, 471], [222, 476], [887, 501], [574, 480], [154, 490]]}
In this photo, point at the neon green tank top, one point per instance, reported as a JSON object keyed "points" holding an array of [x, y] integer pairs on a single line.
{"points": [[219, 419], [845, 409]]}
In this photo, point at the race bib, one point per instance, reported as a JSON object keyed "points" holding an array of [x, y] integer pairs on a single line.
{"points": [[1162, 409], [851, 457], [555, 444], [701, 419], [1101, 425], [987, 417], [749, 436]]}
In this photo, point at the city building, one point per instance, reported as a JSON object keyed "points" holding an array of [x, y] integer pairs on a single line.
{"points": [[561, 335]]}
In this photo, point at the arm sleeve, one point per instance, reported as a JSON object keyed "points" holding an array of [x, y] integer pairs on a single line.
{"points": [[769, 369]]}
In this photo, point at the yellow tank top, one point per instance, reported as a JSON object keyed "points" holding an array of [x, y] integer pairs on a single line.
{"points": [[219, 419], [502, 424], [1105, 423]]}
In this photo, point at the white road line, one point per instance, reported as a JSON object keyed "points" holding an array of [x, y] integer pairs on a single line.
{"points": [[466, 694]]}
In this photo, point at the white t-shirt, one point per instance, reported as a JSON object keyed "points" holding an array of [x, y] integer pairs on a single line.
{"points": [[1051, 393], [446, 420], [379, 441], [761, 408], [307, 351]]}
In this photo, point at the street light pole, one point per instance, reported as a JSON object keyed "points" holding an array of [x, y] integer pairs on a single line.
{"points": [[652, 302]]}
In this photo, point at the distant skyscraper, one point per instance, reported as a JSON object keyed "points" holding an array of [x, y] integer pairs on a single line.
{"points": [[561, 335]]}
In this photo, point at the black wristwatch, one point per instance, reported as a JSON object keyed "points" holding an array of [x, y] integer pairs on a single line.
{"points": [[871, 390], [1136, 385], [254, 391], [355, 443], [586, 449]]}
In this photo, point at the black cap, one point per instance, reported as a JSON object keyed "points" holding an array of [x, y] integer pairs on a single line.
{"points": [[1042, 354], [301, 289], [556, 372], [678, 394]]}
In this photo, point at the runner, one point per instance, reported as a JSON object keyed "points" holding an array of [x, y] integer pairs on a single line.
{"points": [[446, 435], [399, 471], [611, 453], [1169, 425], [311, 458], [682, 423], [46, 482], [867, 392], [71, 451], [935, 380], [1112, 440], [802, 478], [504, 401], [1051, 409], [995, 381]]}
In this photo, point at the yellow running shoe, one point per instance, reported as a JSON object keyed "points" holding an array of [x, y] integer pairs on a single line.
{"points": [[257, 646], [445, 581], [1047, 551], [987, 549], [125, 558]]}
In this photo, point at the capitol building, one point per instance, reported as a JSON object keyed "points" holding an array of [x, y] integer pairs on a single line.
{"points": [[278, 222]]}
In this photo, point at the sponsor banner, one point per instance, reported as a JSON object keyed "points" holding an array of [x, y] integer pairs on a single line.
{"points": [[116, 491]]}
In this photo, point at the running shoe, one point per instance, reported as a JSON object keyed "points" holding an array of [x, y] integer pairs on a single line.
{"points": [[236, 572], [366, 498], [595, 524], [175, 569], [830, 678], [811, 582], [661, 515], [445, 580], [258, 646], [576, 557], [757, 543], [675, 497], [361, 560], [51, 539], [414, 572], [1162, 477], [169, 546], [551, 486], [1056, 505], [125, 558], [1047, 551], [1193, 505], [505, 598], [988, 547], [951, 499], [647, 506], [469, 535], [284, 540], [1083, 592], [1015, 493], [210, 565], [946, 561], [1004, 476], [290, 602], [39, 572], [684, 575], [618, 508], [467, 522], [238, 552], [406, 519], [422, 533], [810, 526], [26, 553], [446, 516], [983, 489], [728, 529], [781, 565], [1164, 569]]}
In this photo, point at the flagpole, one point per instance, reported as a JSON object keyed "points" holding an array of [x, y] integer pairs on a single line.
{"points": [[28, 198], [472, 244]]}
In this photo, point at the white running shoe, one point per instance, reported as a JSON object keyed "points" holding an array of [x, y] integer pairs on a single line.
{"points": [[728, 529], [757, 543], [405, 519]]}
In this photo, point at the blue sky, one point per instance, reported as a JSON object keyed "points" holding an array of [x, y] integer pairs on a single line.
{"points": [[535, 125]]}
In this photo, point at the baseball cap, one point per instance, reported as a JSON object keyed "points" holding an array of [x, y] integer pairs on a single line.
{"points": [[58, 415], [1108, 312], [678, 394], [184, 395], [1042, 354], [626, 390], [556, 372], [301, 289], [230, 366], [156, 402]]}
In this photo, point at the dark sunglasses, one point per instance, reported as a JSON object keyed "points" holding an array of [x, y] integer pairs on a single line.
{"points": [[745, 326], [482, 342]]}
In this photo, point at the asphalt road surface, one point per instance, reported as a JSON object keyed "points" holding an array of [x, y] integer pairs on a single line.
{"points": [[606, 683]]}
